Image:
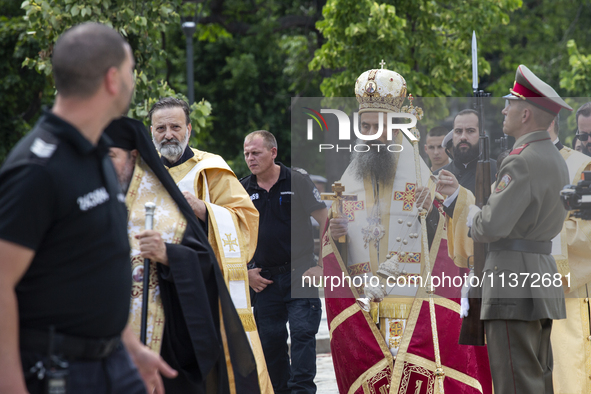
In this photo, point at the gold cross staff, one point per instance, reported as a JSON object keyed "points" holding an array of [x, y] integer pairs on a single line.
{"points": [[338, 197]]}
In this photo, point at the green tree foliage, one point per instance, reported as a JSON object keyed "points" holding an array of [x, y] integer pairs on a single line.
{"points": [[428, 42], [22, 91], [550, 37], [142, 23], [250, 59], [576, 80], [538, 36]]}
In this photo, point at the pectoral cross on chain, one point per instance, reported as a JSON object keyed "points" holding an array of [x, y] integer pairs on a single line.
{"points": [[338, 197]]}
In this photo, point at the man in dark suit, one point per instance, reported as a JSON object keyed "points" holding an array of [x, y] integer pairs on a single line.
{"points": [[465, 135]]}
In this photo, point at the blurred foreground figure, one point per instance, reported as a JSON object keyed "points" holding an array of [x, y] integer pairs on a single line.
{"points": [[572, 251], [64, 272]]}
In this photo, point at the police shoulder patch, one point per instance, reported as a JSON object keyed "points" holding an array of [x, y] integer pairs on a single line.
{"points": [[300, 170], [518, 150], [42, 149], [503, 183]]}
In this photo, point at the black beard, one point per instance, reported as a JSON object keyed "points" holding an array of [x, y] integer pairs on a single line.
{"points": [[381, 165], [466, 156]]}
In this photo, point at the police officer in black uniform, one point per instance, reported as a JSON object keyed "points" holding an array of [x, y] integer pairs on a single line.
{"points": [[284, 254], [65, 277]]}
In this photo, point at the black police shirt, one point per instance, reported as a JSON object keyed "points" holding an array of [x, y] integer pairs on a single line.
{"points": [[60, 197], [286, 206]]}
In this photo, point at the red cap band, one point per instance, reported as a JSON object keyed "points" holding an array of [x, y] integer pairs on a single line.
{"points": [[536, 98]]}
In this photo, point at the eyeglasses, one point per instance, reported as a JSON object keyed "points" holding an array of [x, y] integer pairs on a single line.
{"points": [[583, 136]]}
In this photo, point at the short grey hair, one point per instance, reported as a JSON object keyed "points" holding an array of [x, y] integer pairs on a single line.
{"points": [[171, 102], [268, 138]]}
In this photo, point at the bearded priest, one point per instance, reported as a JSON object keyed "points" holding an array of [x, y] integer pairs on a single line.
{"points": [[390, 332], [192, 322]]}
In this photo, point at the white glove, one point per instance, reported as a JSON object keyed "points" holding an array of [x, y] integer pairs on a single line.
{"points": [[364, 304], [473, 210], [464, 304], [464, 307]]}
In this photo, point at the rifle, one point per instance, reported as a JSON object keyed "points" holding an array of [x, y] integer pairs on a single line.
{"points": [[472, 332], [504, 141]]}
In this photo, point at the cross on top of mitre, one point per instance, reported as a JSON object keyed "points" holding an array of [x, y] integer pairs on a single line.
{"points": [[382, 63]]}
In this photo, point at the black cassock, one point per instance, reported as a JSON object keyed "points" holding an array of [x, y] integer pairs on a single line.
{"points": [[191, 342], [193, 292]]}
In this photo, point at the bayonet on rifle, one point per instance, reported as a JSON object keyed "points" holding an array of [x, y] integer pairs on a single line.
{"points": [[472, 332]]}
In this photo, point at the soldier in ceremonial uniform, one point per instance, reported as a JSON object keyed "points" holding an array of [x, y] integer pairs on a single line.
{"points": [[521, 217]]}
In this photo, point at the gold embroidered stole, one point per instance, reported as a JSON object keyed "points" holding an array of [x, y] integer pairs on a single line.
{"points": [[230, 248], [226, 240], [168, 220], [396, 203]]}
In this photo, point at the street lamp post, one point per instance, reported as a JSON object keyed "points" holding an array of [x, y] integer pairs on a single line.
{"points": [[189, 29]]}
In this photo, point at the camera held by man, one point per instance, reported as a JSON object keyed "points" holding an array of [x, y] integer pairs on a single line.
{"points": [[577, 197]]}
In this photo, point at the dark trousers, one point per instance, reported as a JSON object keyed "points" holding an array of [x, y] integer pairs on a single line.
{"points": [[520, 356], [115, 374], [273, 308]]}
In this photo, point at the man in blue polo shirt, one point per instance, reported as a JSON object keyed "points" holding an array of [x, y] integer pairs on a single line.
{"points": [[285, 200]]}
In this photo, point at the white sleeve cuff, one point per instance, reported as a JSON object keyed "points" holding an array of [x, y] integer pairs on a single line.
{"points": [[449, 200]]}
